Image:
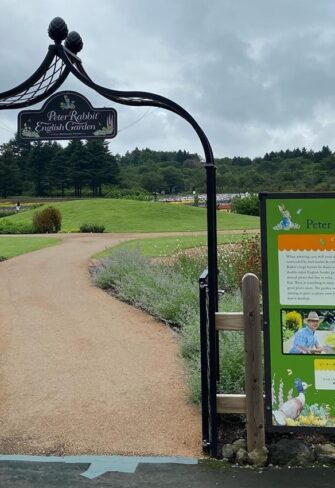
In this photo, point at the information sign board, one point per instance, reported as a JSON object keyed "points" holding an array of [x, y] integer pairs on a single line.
{"points": [[298, 263]]}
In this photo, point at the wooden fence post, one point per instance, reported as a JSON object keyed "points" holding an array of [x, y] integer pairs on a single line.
{"points": [[253, 363]]}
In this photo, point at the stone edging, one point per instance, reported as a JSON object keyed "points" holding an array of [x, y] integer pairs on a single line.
{"points": [[285, 452]]}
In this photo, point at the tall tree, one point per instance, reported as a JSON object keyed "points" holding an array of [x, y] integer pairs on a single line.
{"points": [[58, 170], [153, 181], [173, 179], [78, 165], [103, 168], [37, 168], [10, 181], [21, 149]]}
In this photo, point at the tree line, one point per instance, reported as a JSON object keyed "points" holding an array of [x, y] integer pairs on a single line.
{"points": [[290, 170], [48, 168], [84, 168]]}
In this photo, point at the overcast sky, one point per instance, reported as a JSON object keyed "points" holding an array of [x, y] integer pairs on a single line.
{"points": [[257, 75]]}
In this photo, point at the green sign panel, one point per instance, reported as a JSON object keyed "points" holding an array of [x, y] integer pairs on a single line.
{"points": [[298, 253]]}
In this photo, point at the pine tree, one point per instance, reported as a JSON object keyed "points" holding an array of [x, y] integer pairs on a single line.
{"points": [[10, 182], [36, 165], [78, 165]]}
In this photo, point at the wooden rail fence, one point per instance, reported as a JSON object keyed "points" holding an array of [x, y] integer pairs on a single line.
{"points": [[251, 402]]}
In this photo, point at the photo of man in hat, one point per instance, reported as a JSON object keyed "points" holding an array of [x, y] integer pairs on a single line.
{"points": [[305, 340]]}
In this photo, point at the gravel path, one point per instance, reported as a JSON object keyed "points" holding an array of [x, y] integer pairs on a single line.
{"points": [[80, 372]]}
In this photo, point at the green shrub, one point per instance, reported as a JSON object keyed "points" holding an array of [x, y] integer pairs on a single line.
{"points": [[7, 213], [330, 340], [293, 320], [10, 227], [48, 220], [231, 360], [3, 258], [171, 294], [191, 265], [154, 287], [234, 260], [248, 205], [247, 259], [96, 228], [127, 194]]}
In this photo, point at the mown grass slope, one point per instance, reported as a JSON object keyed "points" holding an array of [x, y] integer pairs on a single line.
{"points": [[14, 246], [166, 246], [137, 216]]}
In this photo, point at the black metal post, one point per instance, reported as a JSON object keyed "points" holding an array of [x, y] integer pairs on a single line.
{"points": [[203, 289], [212, 299]]}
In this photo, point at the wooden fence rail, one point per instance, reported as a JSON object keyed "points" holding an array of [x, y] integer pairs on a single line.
{"points": [[252, 402]]}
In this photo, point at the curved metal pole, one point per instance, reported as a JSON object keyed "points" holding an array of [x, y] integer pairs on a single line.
{"points": [[34, 77], [71, 63], [32, 87], [152, 99], [136, 98]]}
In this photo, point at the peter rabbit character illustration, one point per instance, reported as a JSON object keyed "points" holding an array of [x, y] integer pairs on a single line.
{"points": [[286, 222], [68, 104]]}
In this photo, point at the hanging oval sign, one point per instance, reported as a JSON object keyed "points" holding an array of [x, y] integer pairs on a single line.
{"points": [[67, 115]]}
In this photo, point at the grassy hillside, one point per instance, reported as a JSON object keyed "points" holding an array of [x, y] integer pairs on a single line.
{"points": [[14, 246], [166, 246], [136, 216]]}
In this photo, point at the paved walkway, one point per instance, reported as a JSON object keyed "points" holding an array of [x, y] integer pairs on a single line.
{"points": [[81, 372], [152, 475]]}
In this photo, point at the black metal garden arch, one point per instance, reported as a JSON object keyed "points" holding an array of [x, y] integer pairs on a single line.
{"points": [[60, 61]]}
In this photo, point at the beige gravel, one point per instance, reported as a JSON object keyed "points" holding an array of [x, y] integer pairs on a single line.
{"points": [[81, 372]]}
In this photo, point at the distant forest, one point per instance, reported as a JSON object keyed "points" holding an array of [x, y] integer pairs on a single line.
{"points": [[46, 169]]}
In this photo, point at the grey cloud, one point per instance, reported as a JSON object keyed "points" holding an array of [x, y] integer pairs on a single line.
{"points": [[258, 76]]}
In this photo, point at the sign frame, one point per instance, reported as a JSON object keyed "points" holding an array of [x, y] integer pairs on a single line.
{"points": [[59, 114], [267, 283]]}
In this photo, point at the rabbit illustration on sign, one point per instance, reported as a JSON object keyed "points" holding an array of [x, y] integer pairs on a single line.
{"points": [[68, 104], [286, 222]]}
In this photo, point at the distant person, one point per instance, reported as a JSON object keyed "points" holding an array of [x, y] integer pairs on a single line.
{"points": [[18, 207], [305, 340]]}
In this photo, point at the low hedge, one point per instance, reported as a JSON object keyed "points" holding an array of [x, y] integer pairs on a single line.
{"points": [[95, 228], [9, 227]]}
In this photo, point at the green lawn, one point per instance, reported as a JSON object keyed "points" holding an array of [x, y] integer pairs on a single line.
{"points": [[137, 216], [13, 246], [165, 246]]}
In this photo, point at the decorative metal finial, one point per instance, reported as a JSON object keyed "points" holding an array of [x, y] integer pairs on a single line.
{"points": [[57, 30], [74, 42]]}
